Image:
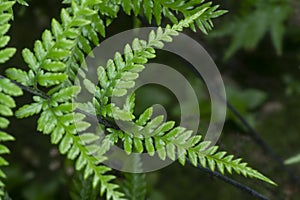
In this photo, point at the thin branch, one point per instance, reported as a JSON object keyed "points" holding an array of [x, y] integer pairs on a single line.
{"points": [[256, 136], [232, 182], [101, 120], [260, 141]]}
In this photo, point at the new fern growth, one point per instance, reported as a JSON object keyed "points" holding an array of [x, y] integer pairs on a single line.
{"points": [[53, 65]]}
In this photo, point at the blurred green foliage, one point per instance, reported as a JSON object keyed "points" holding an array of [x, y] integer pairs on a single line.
{"points": [[251, 22]]}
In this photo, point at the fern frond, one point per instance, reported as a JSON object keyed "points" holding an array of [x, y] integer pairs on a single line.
{"points": [[57, 56], [171, 8], [151, 135], [51, 65], [59, 120], [120, 73], [166, 140], [54, 63], [7, 89], [5, 16]]}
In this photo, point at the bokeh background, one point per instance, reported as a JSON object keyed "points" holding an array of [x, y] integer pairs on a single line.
{"points": [[256, 46]]}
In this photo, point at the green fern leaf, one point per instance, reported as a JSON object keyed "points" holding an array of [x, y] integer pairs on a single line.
{"points": [[29, 110], [6, 54]]}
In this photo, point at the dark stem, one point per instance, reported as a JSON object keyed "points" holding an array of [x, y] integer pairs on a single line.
{"points": [[101, 120], [256, 136], [265, 147]]}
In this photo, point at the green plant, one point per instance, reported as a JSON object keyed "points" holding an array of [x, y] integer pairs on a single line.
{"points": [[255, 19], [53, 65]]}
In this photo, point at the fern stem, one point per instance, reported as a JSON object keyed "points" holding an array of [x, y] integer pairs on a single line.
{"points": [[258, 139], [101, 120], [264, 146]]}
